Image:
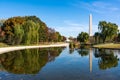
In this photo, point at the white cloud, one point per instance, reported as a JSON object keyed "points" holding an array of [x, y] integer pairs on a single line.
{"points": [[70, 23], [71, 28], [97, 6]]}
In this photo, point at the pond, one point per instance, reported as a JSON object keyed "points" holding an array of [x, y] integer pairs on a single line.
{"points": [[60, 64]]}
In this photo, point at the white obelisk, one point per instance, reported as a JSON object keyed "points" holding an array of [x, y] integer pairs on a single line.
{"points": [[90, 25]]}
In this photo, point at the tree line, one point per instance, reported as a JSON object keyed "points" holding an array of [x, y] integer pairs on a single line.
{"points": [[27, 30], [107, 32]]}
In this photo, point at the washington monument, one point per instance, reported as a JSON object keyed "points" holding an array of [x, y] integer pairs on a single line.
{"points": [[90, 25]]}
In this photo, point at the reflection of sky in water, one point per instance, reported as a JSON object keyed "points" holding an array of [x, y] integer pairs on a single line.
{"points": [[117, 53], [68, 66]]}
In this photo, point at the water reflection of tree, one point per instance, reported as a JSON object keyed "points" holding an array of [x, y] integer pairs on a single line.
{"points": [[106, 58], [28, 61], [83, 51], [71, 51]]}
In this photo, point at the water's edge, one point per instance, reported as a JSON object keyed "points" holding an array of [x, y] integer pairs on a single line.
{"points": [[8, 49]]}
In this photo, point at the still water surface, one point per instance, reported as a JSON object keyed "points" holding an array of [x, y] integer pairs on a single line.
{"points": [[60, 64]]}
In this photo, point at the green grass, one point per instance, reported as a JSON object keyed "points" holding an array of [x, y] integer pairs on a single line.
{"points": [[108, 45], [3, 45]]}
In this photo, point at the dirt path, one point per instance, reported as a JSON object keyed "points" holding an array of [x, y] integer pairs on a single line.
{"points": [[8, 49]]}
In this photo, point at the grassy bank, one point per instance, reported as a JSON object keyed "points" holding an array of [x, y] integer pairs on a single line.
{"points": [[108, 46], [3, 45]]}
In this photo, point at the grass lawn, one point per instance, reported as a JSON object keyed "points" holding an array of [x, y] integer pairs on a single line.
{"points": [[108, 45], [3, 45]]}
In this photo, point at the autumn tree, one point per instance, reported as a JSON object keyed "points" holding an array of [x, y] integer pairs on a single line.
{"points": [[8, 27]]}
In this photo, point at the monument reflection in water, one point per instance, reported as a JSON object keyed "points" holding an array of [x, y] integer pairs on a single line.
{"points": [[90, 59], [60, 64]]}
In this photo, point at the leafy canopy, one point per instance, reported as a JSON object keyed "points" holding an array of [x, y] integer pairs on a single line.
{"points": [[83, 37]]}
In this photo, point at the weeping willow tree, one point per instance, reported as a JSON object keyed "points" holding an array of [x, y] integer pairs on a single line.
{"points": [[18, 34], [31, 34], [107, 30]]}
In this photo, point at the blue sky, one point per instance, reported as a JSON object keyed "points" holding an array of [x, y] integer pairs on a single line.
{"points": [[69, 17]]}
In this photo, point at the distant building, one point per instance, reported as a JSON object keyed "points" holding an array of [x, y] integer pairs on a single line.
{"points": [[68, 40]]}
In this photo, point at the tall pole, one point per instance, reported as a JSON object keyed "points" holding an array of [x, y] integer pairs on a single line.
{"points": [[90, 25]]}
